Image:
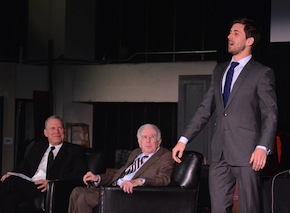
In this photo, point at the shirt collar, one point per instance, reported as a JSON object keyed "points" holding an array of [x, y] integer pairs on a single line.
{"points": [[151, 153], [243, 61], [57, 147]]}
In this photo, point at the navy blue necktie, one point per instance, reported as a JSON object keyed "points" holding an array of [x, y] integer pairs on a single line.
{"points": [[229, 78]]}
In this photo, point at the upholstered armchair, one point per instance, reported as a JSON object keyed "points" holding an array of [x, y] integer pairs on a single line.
{"points": [[180, 196]]}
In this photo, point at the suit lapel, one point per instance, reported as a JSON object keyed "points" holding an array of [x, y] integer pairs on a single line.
{"points": [[39, 155], [129, 161], [220, 74], [243, 75], [148, 163], [62, 152]]}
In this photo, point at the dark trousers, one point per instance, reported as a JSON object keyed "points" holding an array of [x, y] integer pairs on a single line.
{"points": [[14, 191], [222, 181]]}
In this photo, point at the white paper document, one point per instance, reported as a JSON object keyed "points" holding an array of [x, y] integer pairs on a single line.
{"points": [[21, 176]]}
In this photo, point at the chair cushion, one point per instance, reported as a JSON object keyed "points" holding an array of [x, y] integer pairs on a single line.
{"points": [[96, 160], [187, 173]]}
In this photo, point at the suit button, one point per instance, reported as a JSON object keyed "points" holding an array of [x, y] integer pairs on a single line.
{"points": [[225, 114]]}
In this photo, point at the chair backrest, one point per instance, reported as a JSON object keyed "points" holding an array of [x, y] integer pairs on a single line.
{"points": [[187, 173], [96, 160]]}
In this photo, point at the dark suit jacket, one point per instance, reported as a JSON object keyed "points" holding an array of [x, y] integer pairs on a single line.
{"points": [[248, 120], [156, 171], [69, 164]]}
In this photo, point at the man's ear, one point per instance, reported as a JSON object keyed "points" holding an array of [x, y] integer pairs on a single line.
{"points": [[250, 41], [160, 142], [45, 132]]}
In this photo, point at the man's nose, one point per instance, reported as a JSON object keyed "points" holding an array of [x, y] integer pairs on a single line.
{"points": [[148, 139]]}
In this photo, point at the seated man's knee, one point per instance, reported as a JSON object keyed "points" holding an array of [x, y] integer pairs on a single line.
{"points": [[75, 192]]}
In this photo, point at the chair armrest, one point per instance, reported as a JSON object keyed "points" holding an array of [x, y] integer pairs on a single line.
{"points": [[57, 195], [148, 199]]}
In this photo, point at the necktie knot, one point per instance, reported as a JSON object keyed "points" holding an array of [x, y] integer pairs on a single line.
{"points": [[144, 157], [51, 151], [234, 64]]}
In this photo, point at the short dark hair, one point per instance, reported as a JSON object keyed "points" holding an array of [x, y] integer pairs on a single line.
{"points": [[252, 29], [53, 117]]}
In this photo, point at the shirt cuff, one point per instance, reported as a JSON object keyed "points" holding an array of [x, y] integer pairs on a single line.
{"points": [[143, 181], [183, 140], [265, 148], [96, 183]]}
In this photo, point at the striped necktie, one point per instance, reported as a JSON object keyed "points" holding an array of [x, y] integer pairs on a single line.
{"points": [[137, 163]]}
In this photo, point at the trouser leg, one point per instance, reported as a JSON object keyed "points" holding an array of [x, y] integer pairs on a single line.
{"points": [[222, 180], [83, 200], [10, 202], [248, 184], [221, 186], [15, 190]]}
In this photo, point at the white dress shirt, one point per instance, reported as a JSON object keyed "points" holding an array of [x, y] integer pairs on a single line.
{"points": [[40, 173]]}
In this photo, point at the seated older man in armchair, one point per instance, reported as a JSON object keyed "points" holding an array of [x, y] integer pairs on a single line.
{"points": [[149, 165]]}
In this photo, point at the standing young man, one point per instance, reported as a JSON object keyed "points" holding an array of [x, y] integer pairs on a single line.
{"points": [[242, 92]]}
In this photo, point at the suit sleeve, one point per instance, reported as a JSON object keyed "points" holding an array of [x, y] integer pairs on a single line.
{"points": [[25, 166], [30, 163], [108, 178], [163, 176], [202, 114], [268, 108], [76, 166]]}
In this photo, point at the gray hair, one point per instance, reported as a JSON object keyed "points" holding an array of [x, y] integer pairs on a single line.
{"points": [[53, 117], [149, 125]]}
